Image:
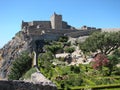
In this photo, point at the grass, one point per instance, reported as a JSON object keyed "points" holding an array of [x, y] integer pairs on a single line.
{"points": [[28, 74]]}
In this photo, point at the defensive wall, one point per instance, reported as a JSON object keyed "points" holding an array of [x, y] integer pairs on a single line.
{"points": [[110, 29], [22, 85], [66, 32]]}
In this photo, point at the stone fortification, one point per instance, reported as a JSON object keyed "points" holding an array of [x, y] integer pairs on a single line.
{"points": [[81, 33], [22, 85], [54, 23], [55, 27], [110, 29]]}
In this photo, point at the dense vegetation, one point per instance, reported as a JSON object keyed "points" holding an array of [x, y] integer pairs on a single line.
{"points": [[101, 41], [20, 66], [101, 71]]}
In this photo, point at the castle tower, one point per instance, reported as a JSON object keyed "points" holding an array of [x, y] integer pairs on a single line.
{"points": [[56, 21]]}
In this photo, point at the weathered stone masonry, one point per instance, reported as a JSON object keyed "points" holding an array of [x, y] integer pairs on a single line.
{"points": [[22, 85]]}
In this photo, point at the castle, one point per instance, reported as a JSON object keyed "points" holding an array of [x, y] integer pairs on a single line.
{"points": [[56, 26], [33, 35], [54, 23]]}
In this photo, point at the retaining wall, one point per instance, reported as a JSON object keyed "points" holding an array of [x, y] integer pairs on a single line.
{"points": [[22, 85]]}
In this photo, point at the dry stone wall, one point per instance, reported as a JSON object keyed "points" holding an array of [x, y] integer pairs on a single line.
{"points": [[22, 85]]}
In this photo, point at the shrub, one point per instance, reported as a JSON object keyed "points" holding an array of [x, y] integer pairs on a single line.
{"points": [[63, 39], [28, 73], [99, 61], [69, 49], [20, 66]]}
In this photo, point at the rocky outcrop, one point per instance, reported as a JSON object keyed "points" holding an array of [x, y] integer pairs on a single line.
{"points": [[11, 51], [21, 42]]}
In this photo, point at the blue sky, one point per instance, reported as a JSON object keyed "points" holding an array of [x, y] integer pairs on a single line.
{"points": [[97, 13]]}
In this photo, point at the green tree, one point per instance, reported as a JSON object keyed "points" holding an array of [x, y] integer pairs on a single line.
{"points": [[105, 42], [45, 63], [63, 39], [117, 53], [69, 49], [114, 60], [45, 58], [53, 48], [20, 66]]}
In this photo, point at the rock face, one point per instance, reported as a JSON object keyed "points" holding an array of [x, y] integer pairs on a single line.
{"points": [[21, 42], [22, 85], [11, 51]]}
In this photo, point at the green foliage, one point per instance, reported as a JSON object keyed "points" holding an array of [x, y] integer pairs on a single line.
{"points": [[114, 60], [28, 74], [102, 41], [67, 43], [53, 48], [98, 87], [116, 71], [75, 69], [83, 75], [45, 63], [44, 59], [69, 49], [20, 66], [63, 39], [117, 52]]}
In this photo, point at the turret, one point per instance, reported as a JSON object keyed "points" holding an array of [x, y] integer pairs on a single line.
{"points": [[56, 21]]}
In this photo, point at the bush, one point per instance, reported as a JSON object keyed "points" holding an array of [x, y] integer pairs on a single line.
{"points": [[63, 39], [20, 66], [69, 49], [29, 73]]}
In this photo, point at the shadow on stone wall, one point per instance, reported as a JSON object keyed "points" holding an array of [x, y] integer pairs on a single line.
{"points": [[21, 85]]}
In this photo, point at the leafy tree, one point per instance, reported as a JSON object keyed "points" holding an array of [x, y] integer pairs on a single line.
{"points": [[114, 60], [75, 69], [69, 49], [117, 53], [44, 58], [20, 66], [105, 42], [45, 62], [53, 48], [63, 39]]}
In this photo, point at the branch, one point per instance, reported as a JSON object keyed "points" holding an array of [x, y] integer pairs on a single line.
{"points": [[110, 50]]}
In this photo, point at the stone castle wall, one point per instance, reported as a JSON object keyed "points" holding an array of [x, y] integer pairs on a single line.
{"points": [[110, 29], [81, 33], [41, 24], [54, 23], [21, 85], [67, 32]]}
